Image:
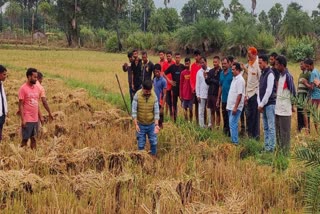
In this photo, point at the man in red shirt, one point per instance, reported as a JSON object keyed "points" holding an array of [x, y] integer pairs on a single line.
{"points": [[195, 67], [165, 66], [186, 95], [29, 95], [162, 60]]}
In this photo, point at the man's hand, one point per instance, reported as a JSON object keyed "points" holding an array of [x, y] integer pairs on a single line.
{"points": [[137, 128], [234, 111], [317, 82], [132, 86], [293, 109], [50, 117], [173, 83], [218, 103], [246, 100], [161, 110], [199, 99], [260, 109], [156, 129], [23, 124], [41, 119]]}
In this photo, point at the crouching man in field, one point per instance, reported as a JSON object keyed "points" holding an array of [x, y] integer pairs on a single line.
{"points": [[145, 114], [29, 95]]}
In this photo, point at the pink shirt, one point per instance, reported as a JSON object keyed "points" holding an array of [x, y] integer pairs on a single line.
{"points": [[42, 91], [30, 96]]}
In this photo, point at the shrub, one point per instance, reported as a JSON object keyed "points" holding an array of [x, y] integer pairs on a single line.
{"points": [[265, 40], [301, 51], [112, 44], [86, 34]]}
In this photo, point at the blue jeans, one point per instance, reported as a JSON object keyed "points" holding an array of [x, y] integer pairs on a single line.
{"points": [[269, 124], [147, 130], [233, 124]]}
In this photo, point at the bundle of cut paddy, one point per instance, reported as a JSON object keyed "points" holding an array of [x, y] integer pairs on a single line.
{"points": [[10, 162], [87, 158], [14, 182]]}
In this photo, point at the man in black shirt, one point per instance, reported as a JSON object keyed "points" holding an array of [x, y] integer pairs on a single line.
{"points": [[175, 71], [127, 68], [147, 67], [136, 68], [212, 79]]}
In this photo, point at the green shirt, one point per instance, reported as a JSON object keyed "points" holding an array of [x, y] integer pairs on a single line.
{"points": [[302, 88]]}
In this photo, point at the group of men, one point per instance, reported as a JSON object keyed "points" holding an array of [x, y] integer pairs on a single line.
{"points": [[241, 91], [29, 95]]}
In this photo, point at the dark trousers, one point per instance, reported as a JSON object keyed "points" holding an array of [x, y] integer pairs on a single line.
{"points": [[131, 93], [174, 96], [161, 118], [243, 122], [300, 116], [226, 128], [253, 118], [169, 100], [283, 131], [2, 121]]}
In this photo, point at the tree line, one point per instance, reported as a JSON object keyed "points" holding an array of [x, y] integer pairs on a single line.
{"points": [[209, 25]]}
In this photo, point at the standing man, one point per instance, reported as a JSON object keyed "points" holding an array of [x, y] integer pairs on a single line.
{"points": [[266, 103], [160, 88], [195, 67], [127, 68], [186, 95], [43, 94], [147, 67], [302, 94], [175, 71], [272, 60], [4, 104], [212, 79], [166, 65], [136, 68], [202, 92], [235, 101], [162, 60], [224, 87], [145, 114], [29, 95], [315, 86], [284, 106], [252, 114]]}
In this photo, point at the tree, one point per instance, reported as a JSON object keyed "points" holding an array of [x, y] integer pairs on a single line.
{"points": [[236, 7], [226, 13], [157, 23], [275, 17], [13, 12], [253, 6], [264, 21], [296, 22], [189, 12], [209, 8], [316, 20], [141, 12]]}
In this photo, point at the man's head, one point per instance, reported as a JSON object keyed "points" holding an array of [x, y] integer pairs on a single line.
{"points": [[144, 56], [161, 55], [147, 88], [252, 53], [302, 65], [187, 63], [236, 69], [203, 62], [197, 56], [225, 63], [130, 56], [40, 77], [135, 54], [177, 57], [272, 58], [263, 61], [232, 59], [309, 64], [3, 73], [157, 70], [169, 56], [216, 62], [281, 63], [32, 75]]}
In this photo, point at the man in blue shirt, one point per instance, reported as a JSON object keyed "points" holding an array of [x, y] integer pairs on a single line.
{"points": [[225, 82], [160, 89]]}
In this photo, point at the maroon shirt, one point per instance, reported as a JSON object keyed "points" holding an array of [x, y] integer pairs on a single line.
{"points": [[185, 85]]}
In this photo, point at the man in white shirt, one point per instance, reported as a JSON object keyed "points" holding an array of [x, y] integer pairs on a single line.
{"points": [[266, 102], [202, 92], [252, 113], [284, 106], [3, 99], [235, 101]]}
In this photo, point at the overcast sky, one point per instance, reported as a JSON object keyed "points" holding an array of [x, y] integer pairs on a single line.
{"points": [[308, 5]]}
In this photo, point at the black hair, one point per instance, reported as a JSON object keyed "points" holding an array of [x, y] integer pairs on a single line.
{"points": [[264, 58], [196, 52], [169, 52], [282, 60], [237, 65], [177, 54], [30, 71], [147, 85], [2, 69], [204, 58], [230, 58], [40, 75], [308, 61], [187, 59], [161, 51], [274, 55], [144, 53], [157, 67], [216, 57], [225, 58], [130, 54]]}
